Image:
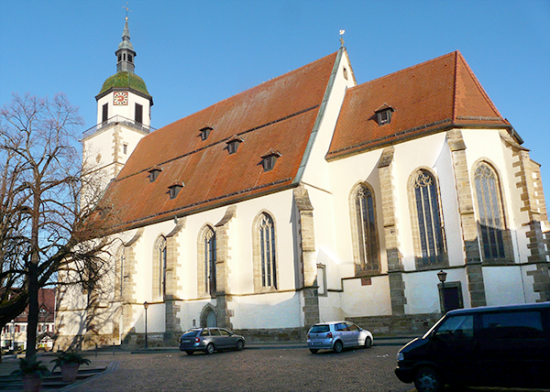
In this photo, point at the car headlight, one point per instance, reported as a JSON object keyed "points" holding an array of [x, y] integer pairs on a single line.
{"points": [[400, 356]]}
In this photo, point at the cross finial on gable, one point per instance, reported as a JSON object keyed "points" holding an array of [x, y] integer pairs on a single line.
{"points": [[341, 37], [127, 10]]}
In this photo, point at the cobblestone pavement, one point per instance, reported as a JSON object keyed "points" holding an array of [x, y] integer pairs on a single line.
{"points": [[250, 370]]}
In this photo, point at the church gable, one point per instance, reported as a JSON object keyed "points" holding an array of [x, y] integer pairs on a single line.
{"points": [[425, 98], [278, 115]]}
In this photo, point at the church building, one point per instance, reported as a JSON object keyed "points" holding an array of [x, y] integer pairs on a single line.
{"points": [[310, 198]]}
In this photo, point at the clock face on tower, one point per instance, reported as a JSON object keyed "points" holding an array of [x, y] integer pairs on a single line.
{"points": [[120, 98]]}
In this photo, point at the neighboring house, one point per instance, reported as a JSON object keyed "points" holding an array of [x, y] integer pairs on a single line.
{"points": [[14, 334], [311, 198]]}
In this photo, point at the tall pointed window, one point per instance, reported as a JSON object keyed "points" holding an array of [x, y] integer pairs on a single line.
{"points": [[267, 251], [210, 261], [159, 268], [369, 253], [491, 219], [430, 236]]}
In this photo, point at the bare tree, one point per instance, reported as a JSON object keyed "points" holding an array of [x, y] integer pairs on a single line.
{"points": [[48, 217]]}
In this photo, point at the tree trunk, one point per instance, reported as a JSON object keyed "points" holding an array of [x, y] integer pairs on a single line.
{"points": [[32, 320]]}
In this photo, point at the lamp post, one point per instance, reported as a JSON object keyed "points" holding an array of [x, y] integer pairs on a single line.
{"points": [[145, 305], [442, 275]]}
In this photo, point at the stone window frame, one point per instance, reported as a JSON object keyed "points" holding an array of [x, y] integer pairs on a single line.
{"points": [[508, 257], [160, 257], [443, 257], [259, 287], [359, 258], [204, 289]]}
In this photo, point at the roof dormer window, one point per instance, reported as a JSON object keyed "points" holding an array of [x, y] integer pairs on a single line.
{"points": [[154, 173], [175, 188], [269, 159], [205, 132], [233, 144], [383, 114]]}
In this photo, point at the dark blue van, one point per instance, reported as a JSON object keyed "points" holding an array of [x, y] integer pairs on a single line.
{"points": [[501, 346]]}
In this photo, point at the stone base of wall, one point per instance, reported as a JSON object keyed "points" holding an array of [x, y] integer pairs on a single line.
{"points": [[401, 325], [134, 341], [273, 335], [83, 342]]}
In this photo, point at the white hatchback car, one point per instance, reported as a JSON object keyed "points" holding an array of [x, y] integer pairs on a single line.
{"points": [[337, 335]]}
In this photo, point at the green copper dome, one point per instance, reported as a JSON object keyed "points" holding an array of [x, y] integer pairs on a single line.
{"points": [[125, 80]]}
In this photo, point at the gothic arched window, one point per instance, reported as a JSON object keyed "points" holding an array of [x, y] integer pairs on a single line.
{"points": [[159, 268], [265, 261], [368, 249], [430, 235], [210, 261], [491, 219]]}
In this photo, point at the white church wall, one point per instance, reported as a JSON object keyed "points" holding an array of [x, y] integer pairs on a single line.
{"points": [[316, 172], [372, 299], [508, 285], [279, 310], [155, 318]]}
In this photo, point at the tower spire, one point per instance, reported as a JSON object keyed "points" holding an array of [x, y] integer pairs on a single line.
{"points": [[125, 52]]}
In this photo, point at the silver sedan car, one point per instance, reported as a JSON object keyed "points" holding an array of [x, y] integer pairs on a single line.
{"points": [[337, 335], [210, 340]]}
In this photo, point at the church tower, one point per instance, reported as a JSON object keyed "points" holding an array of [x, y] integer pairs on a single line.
{"points": [[123, 115]]}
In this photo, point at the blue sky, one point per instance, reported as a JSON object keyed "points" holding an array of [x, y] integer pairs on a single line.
{"points": [[192, 54]]}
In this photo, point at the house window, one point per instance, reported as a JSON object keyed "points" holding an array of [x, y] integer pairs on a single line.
{"points": [[174, 189], [154, 173], [369, 253], [233, 144], [205, 132], [139, 113], [491, 219], [125, 148], [269, 159], [210, 261], [268, 261], [430, 236], [383, 114], [105, 113]]}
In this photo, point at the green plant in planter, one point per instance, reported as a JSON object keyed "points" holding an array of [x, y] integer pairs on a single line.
{"points": [[32, 373], [69, 357], [69, 362], [31, 368]]}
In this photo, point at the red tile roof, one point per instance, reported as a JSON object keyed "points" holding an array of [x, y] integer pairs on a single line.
{"points": [[435, 95], [278, 114]]}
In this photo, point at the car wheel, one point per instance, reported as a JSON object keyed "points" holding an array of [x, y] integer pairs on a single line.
{"points": [[190, 352], [428, 380], [368, 342], [338, 347], [240, 345], [313, 350], [210, 349]]}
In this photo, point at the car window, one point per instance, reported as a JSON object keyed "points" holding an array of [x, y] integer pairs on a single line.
{"points": [[204, 332], [320, 328], [342, 327], [353, 327], [518, 325], [456, 327], [214, 332], [224, 332], [190, 333]]}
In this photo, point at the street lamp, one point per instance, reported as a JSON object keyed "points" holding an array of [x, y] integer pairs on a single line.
{"points": [[442, 276], [145, 305]]}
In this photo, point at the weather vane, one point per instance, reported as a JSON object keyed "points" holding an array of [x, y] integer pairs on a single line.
{"points": [[341, 36], [127, 10]]}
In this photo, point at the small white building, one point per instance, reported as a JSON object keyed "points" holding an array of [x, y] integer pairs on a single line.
{"points": [[310, 198]]}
